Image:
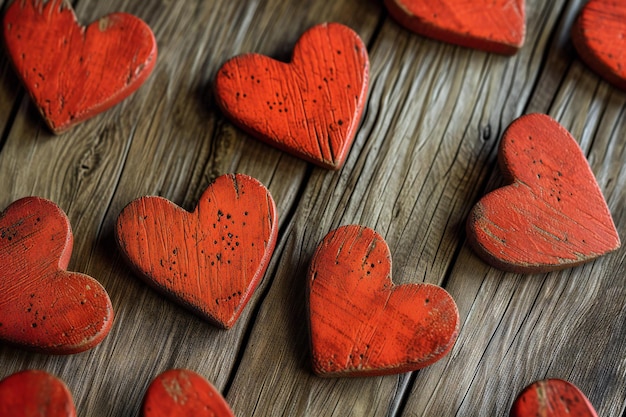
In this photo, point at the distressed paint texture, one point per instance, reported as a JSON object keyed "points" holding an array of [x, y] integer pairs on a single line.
{"points": [[362, 324], [492, 25], [43, 307], [310, 107], [182, 393], [210, 260], [552, 398], [599, 36], [552, 215], [35, 393], [73, 72]]}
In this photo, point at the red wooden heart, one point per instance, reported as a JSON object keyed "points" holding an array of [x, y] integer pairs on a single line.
{"points": [[552, 215], [360, 322], [210, 260], [599, 35], [73, 72], [35, 394], [310, 107], [182, 393], [491, 25], [552, 398], [44, 307]]}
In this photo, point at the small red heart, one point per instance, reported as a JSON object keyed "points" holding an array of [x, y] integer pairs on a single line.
{"points": [[361, 323], [35, 394], [310, 107], [552, 398], [552, 215], [71, 72], [599, 36], [210, 260], [490, 25], [43, 306], [182, 393]]}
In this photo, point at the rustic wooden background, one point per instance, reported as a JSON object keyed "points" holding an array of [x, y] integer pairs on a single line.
{"points": [[424, 154]]}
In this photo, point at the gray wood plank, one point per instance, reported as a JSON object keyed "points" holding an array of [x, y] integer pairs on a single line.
{"points": [[425, 147]]}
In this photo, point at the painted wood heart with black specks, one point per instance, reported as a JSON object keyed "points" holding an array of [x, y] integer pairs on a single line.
{"points": [[361, 324], [552, 215], [73, 72], [210, 260], [310, 107], [44, 307]]}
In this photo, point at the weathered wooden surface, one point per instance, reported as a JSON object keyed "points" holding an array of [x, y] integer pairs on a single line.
{"points": [[425, 152]]}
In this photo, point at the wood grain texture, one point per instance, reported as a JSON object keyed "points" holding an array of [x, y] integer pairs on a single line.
{"points": [[310, 107], [599, 36], [210, 260], [182, 393], [361, 324], [35, 393], [552, 398], [552, 215], [493, 26], [44, 307], [424, 154], [73, 72]]}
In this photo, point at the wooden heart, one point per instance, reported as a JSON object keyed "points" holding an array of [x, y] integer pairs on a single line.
{"points": [[35, 393], [552, 398], [599, 36], [182, 393], [73, 72], [552, 215], [43, 306], [310, 107], [490, 25], [210, 260], [361, 323]]}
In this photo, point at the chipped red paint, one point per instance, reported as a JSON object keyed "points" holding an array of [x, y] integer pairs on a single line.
{"points": [[35, 394], [599, 36], [183, 393], [210, 260], [73, 72], [552, 398], [491, 25], [44, 307], [361, 323], [552, 215], [310, 107]]}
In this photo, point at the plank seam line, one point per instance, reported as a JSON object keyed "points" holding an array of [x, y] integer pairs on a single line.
{"points": [[544, 61], [11, 119], [377, 29]]}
